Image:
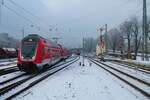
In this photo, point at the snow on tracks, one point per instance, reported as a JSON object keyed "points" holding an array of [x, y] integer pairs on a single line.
{"points": [[79, 83]]}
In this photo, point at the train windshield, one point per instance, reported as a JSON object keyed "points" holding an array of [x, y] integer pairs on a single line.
{"points": [[28, 47]]}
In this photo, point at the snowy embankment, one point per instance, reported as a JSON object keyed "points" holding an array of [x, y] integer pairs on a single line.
{"points": [[79, 83], [145, 63], [135, 62], [138, 62]]}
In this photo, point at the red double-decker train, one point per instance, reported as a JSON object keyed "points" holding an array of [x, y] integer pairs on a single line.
{"points": [[36, 53]]}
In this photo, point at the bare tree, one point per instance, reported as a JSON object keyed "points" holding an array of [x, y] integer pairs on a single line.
{"points": [[136, 29], [114, 38], [89, 44], [148, 24], [126, 28]]}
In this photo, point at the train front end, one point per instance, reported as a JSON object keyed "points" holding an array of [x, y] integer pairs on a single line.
{"points": [[27, 54]]}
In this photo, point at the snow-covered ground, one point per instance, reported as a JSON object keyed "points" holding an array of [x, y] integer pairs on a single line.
{"points": [[80, 83], [146, 63]]}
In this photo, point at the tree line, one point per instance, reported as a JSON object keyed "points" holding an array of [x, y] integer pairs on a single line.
{"points": [[127, 38]]}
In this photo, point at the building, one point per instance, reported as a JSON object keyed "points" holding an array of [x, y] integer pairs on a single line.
{"points": [[7, 41]]}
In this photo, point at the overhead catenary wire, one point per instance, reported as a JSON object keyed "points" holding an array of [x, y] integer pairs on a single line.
{"points": [[30, 13], [128, 1], [0, 12], [9, 27], [22, 16], [135, 13], [33, 15], [1, 3], [124, 3], [138, 10], [12, 10], [42, 3]]}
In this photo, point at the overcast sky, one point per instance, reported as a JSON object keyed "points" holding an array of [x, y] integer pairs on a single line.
{"points": [[68, 19]]}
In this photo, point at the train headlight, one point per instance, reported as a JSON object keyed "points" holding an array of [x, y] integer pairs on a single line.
{"points": [[33, 57], [22, 57]]}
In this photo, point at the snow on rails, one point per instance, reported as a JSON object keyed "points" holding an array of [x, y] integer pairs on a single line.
{"points": [[140, 85]]}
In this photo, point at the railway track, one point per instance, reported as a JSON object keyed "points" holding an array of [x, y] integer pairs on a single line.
{"points": [[132, 67], [13, 78], [8, 60], [138, 84], [32, 80], [8, 70], [23, 74], [4, 65]]}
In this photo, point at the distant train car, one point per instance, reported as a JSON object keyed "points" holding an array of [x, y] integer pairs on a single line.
{"points": [[36, 53], [8, 52], [78, 53], [65, 53]]}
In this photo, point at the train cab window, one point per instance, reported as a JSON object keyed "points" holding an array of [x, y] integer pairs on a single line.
{"points": [[28, 47]]}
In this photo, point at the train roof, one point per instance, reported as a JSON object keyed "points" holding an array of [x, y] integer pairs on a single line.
{"points": [[53, 44], [36, 36], [32, 35]]}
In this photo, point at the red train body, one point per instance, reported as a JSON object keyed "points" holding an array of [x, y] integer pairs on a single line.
{"points": [[36, 53]]}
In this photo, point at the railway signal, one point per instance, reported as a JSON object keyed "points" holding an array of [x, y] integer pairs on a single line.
{"points": [[104, 28], [83, 52]]}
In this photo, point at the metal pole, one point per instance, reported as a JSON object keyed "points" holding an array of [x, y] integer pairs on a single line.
{"points": [[0, 14], [1, 3], [145, 33], [106, 45], [23, 33], [83, 52], [143, 29]]}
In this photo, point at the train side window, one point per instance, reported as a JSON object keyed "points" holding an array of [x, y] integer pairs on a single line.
{"points": [[43, 51], [49, 49], [44, 41]]}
